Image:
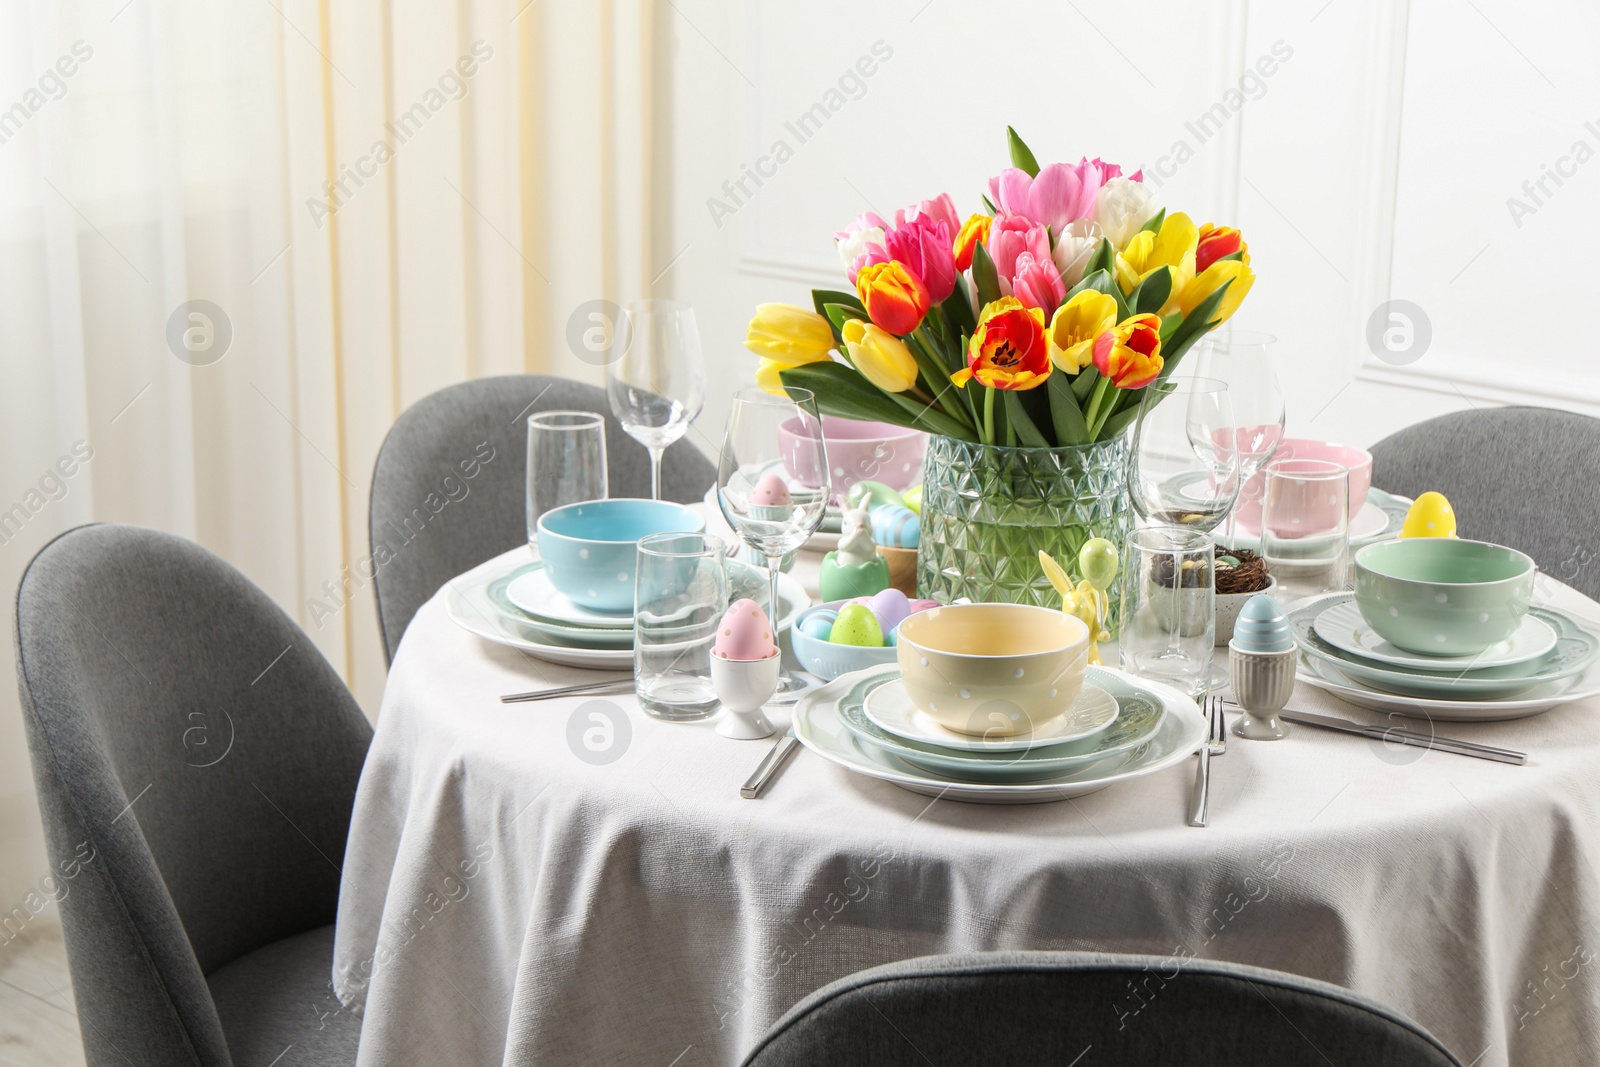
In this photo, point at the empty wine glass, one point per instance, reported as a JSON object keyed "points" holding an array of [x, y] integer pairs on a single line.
{"points": [[1183, 468], [774, 493], [656, 380], [1244, 359]]}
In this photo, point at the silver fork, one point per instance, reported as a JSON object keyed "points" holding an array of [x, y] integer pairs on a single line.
{"points": [[1216, 745]]}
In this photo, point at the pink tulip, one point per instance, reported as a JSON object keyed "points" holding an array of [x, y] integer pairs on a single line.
{"points": [[941, 208], [1037, 284], [1059, 194], [1010, 236], [924, 244], [861, 242]]}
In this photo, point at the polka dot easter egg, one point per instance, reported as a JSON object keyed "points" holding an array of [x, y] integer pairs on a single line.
{"points": [[771, 491], [1430, 516], [745, 633]]}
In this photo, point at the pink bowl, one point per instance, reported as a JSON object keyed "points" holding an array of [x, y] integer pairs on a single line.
{"points": [[1247, 511], [862, 451]]}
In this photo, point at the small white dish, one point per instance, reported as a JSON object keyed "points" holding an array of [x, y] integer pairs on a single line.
{"points": [[1541, 698], [1342, 626], [536, 594], [889, 708]]}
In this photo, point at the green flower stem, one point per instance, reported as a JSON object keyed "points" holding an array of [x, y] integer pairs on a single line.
{"points": [[988, 416], [1094, 416], [922, 350]]}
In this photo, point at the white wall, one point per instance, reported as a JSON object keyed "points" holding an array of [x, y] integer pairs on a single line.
{"points": [[1372, 163]]}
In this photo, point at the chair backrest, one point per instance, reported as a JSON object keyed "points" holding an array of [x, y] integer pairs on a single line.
{"points": [[1016, 1008], [1520, 476], [196, 760], [449, 487]]}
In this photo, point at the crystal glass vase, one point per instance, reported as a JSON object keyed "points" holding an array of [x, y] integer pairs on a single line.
{"points": [[988, 510]]}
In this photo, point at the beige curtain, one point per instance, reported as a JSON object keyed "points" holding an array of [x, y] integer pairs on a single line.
{"points": [[238, 239]]}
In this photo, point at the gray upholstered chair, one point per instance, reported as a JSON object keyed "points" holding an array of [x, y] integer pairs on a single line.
{"points": [[1029, 1008], [196, 760], [1520, 476], [449, 486]]}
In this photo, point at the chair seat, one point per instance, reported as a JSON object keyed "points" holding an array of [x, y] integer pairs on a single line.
{"points": [[278, 1001]]}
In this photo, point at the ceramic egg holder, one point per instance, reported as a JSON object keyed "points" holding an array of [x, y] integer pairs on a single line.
{"points": [[1261, 668], [743, 686]]}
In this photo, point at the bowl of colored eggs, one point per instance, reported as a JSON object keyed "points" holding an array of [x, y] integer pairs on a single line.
{"points": [[841, 636]]}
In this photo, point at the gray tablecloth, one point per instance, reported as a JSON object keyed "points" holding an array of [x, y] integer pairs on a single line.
{"points": [[511, 897]]}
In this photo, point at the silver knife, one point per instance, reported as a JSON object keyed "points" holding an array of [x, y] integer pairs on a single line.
{"points": [[1406, 737], [769, 767]]}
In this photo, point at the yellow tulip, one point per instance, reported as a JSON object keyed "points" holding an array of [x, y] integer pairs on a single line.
{"points": [[1075, 326], [788, 334], [1172, 246], [767, 376], [1207, 282], [880, 356]]}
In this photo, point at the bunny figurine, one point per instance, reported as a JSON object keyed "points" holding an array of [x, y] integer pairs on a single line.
{"points": [[854, 568]]}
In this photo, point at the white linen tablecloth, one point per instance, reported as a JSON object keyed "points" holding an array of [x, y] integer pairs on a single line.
{"points": [[507, 898]]}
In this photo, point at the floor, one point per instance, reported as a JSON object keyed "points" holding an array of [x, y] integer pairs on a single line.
{"points": [[38, 1027]]}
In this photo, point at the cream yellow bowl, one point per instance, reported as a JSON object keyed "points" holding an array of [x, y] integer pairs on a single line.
{"points": [[993, 670]]}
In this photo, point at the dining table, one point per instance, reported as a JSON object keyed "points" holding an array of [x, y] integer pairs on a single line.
{"points": [[572, 881]]}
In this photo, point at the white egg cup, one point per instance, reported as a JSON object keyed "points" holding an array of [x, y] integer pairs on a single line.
{"points": [[743, 686]]}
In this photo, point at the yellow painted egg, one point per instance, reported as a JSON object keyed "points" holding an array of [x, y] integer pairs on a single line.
{"points": [[1430, 516], [913, 498]]}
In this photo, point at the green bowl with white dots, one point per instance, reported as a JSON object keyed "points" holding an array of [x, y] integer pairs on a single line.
{"points": [[1441, 596]]}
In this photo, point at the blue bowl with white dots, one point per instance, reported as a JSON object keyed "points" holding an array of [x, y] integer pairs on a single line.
{"points": [[591, 549], [822, 657]]}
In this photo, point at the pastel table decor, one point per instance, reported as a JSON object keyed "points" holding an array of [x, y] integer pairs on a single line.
{"points": [[591, 548], [1442, 596], [1261, 666], [745, 661], [854, 568], [844, 636], [1086, 601]]}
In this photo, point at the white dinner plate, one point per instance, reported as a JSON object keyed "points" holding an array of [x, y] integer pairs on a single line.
{"points": [[1343, 626], [1183, 729], [1326, 676], [889, 707], [536, 594], [473, 607]]}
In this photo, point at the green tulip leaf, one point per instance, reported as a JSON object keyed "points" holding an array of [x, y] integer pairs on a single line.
{"points": [[1152, 292], [957, 308], [1104, 258], [1154, 225], [1084, 384], [839, 314], [1027, 432], [1064, 410], [1021, 154], [984, 274]]}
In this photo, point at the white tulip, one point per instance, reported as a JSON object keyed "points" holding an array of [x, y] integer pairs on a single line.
{"points": [[1122, 208], [1074, 245]]}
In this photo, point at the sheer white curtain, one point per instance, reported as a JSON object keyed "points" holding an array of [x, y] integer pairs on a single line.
{"points": [[237, 239]]}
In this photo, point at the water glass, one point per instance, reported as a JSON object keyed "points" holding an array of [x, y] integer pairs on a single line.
{"points": [[1305, 526], [1169, 615], [680, 597], [566, 462]]}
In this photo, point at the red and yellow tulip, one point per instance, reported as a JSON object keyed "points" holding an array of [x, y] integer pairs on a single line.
{"points": [[1216, 242], [974, 232], [1128, 355], [895, 298], [1008, 349]]}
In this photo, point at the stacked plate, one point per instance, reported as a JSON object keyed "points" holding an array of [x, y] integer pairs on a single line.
{"points": [[1550, 659], [511, 601], [1119, 728], [1380, 518]]}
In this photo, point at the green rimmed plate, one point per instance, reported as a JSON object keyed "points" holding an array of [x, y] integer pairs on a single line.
{"points": [[1137, 720], [1575, 649]]}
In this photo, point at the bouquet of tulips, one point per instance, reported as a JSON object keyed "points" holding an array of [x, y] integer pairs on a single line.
{"points": [[1072, 292]]}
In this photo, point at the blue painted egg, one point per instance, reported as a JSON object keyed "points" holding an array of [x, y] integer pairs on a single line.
{"points": [[1262, 627], [818, 624], [896, 525]]}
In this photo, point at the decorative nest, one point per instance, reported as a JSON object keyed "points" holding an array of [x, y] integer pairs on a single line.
{"points": [[1249, 576]]}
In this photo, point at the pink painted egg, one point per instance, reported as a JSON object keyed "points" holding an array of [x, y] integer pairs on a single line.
{"points": [[745, 633], [771, 491]]}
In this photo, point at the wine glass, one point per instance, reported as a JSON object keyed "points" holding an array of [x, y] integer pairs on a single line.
{"points": [[1183, 467], [1244, 359], [656, 380], [774, 494]]}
